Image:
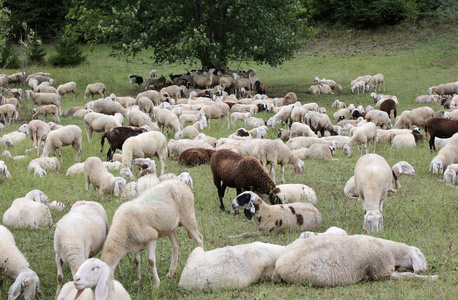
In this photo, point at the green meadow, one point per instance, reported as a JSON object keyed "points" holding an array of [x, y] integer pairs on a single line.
{"points": [[422, 213]]}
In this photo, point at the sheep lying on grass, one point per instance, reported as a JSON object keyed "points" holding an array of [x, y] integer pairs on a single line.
{"points": [[102, 180], [43, 165], [331, 231], [328, 260]]}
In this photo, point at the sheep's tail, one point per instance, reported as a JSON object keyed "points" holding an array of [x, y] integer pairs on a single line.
{"points": [[102, 141]]}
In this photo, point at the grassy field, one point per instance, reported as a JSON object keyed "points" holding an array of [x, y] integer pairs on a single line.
{"points": [[422, 213]]}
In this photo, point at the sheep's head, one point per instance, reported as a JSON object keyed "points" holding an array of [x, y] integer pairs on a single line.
{"points": [[412, 259], [403, 168], [347, 150], [39, 172], [450, 176], [247, 200], [27, 281], [299, 167], [119, 185], [93, 273], [373, 221], [126, 174], [436, 165]]}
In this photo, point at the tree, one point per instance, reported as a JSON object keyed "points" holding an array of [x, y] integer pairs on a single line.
{"points": [[214, 32]]}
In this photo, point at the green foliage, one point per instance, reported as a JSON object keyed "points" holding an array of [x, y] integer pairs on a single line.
{"points": [[68, 54], [37, 51], [9, 57], [211, 32]]}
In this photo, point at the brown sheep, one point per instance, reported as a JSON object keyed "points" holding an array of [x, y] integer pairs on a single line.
{"points": [[441, 128], [195, 156], [116, 137], [261, 87], [289, 98], [388, 106], [230, 169]]}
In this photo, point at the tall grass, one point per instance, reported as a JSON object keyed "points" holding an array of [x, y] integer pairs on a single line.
{"points": [[422, 212]]}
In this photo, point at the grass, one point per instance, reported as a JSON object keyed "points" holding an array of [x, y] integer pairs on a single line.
{"points": [[422, 213]]}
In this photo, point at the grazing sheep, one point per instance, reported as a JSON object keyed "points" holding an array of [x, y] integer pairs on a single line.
{"points": [[415, 117], [38, 131], [444, 89], [148, 179], [4, 173], [379, 118], [362, 135], [29, 212], [230, 169], [8, 112], [14, 264], [109, 107], [102, 180], [45, 99], [195, 156], [376, 80], [319, 123], [374, 180], [364, 78], [441, 128], [93, 89], [296, 192], [67, 88], [138, 118], [166, 119], [79, 235], [388, 106], [358, 87], [116, 137], [100, 123], [43, 165], [330, 260], [217, 111], [65, 136], [450, 174], [270, 219], [173, 206], [226, 268], [446, 156], [46, 110]]}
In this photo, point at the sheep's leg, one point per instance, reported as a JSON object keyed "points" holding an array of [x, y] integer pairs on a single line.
{"points": [[138, 269], [409, 275], [152, 262], [282, 174], [221, 191], [246, 234], [175, 248], [60, 274]]}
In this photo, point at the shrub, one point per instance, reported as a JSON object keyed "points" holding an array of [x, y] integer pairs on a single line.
{"points": [[37, 51], [9, 57], [68, 54]]}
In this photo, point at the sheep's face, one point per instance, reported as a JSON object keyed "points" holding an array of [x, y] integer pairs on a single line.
{"points": [[449, 176], [347, 150], [413, 259], [28, 281], [92, 273], [373, 221], [242, 200]]}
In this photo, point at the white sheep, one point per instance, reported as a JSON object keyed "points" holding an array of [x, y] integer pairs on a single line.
{"points": [[44, 99], [406, 140], [191, 131], [269, 219], [183, 177], [138, 118], [315, 151], [41, 166], [166, 119], [29, 211], [414, 117], [149, 179], [450, 174], [67, 88], [362, 135], [296, 192], [283, 115], [338, 104], [101, 123], [93, 89], [14, 264], [217, 111], [93, 280], [350, 190], [228, 268], [329, 260], [364, 78], [446, 156], [65, 136], [4, 173], [305, 142], [358, 87], [108, 107], [176, 147], [242, 116], [6, 153], [46, 110], [299, 129], [374, 180], [379, 118], [102, 180], [159, 213], [79, 235], [333, 230], [8, 112], [376, 80]]}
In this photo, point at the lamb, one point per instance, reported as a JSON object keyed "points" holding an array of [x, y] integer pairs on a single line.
{"points": [[270, 219], [6, 153], [4, 173], [100, 123], [416, 116], [315, 151], [176, 147], [93, 89], [379, 118], [65, 136], [29, 211], [227, 166], [44, 99], [235, 116], [338, 104], [329, 260], [13, 101], [364, 78], [195, 156], [254, 122], [446, 156], [8, 112], [275, 152], [67, 88], [173, 206], [116, 137], [14, 137], [38, 131], [226, 268], [441, 128], [102, 180], [450, 174], [374, 180], [191, 131], [363, 135], [217, 111], [388, 106], [358, 87], [376, 80], [325, 89], [296, 192], [166, 119], [46, 110], [191, 118], [14, 264], [314, 89], [79, 235], [43, 165], [146, 144], [94, 278]]}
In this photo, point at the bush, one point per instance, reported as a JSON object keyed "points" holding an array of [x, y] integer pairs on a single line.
{"points": [[68, 54], [9, 57], [37, 51]]}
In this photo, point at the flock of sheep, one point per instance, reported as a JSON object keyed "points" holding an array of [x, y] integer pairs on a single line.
{"points": [[155, 206]]}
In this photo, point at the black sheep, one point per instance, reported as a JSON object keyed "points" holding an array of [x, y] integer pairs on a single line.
{"points": [[135, 79], [441, 128]]}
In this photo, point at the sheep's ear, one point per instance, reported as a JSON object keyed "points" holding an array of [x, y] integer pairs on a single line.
{"points": [[15, 288], [190, 180], [249, 210], [101, 290], [417, 261]]}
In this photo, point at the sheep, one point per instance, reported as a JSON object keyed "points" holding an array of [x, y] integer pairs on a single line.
{"points": [[93, 89], [388, 106], [362, 135], [138, 118], [43, 165], [46, 110], [305, 142], [108, 107], [166, 119], [364, 78], [374, 180], [217, 111], [29, 211], [16, 78], [6, 153], [333, 230], [319, 122], [446, 156], [444, 89], [148, 179], [191, 131], [275, 152], [176, 147], [379, 118], [329, 260], [44, 99], [424, 99], [191, 118], [38, 131], [325, 89], [227, 166], [12, 101], [416, 116], [69, 112], [45, 87], [195, 156], [146, 144], [270, 219], [441, 128], [235, 116], [338, 104], [65, 136], [8, 112], [450, 174], [96, 174], [350, 190], [358, 87], [299, 129], [403, 141], [376, 80], [226, 268], [173, 206], [315, 151], [14, 137], [67, 88], [296, 192], [4, 173], [126, 101], [100, 123], [15, 265], [116, 137], [79, 235]]}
